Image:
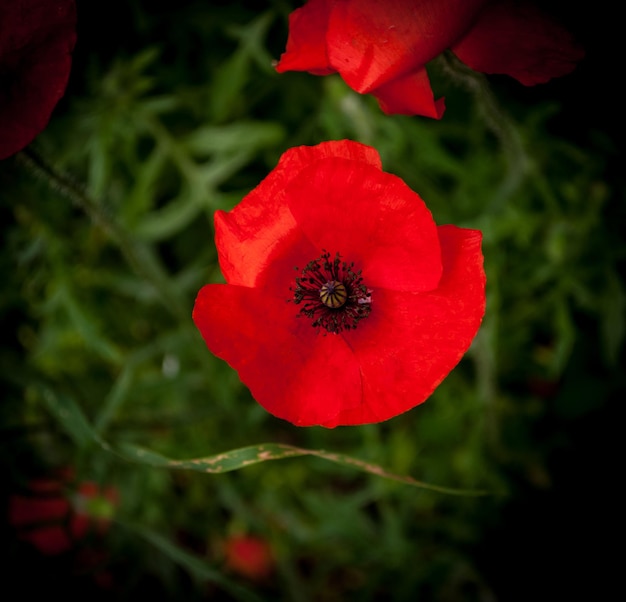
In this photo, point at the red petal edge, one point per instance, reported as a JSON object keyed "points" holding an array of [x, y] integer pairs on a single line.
{"points": [[410, 95], [411, 342], [252, 232], [306, 43]]}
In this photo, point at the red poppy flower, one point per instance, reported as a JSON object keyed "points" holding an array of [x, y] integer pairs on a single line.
{"points": [[382, 303], [36, 41], [249, 556], [381, 48]]}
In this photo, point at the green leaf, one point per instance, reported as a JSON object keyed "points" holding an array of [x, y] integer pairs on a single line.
{"points": [[234, 137], [247, 456], [229, 81], [86, 325], [69, 416], [169, 220], [114, 399]]}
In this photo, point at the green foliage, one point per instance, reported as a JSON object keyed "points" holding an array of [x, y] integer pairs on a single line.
{"points": [[184, 115]]}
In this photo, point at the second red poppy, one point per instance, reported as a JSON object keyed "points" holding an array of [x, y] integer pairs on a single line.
{"points": [[381, 48]]}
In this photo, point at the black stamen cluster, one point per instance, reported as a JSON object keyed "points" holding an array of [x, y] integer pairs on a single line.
{"points": [[320, 274]]}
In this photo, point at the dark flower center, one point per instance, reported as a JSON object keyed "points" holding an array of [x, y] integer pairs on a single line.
{"points": [[332, 294]]}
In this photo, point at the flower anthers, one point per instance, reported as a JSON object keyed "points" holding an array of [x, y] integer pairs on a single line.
{"points": [[332, 294], [344, 303]]}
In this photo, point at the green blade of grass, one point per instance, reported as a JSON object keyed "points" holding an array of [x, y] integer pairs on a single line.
{"points": [[246, 456], [69, 416], [194, 565]]}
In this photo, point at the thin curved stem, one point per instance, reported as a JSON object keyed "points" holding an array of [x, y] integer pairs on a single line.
{"points": [[497, 121]]}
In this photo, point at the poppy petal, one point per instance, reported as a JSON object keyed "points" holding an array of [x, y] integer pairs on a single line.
{"points": [[291, 370], [370, 42], [371, 218], [49, 540], [25, 510], [261, 223], [519, 40], [306, 43], [410, 342], [249, 556], [36, 43], [410, 95]]}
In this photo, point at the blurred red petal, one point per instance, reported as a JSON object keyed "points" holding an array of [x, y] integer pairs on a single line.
{"points": [[112, 494], [412, 341], [30, 510], [371, 218], [79, 525], [371, 43], [36, 42], [93, 507], [256, 227], [519, 40], [51, 540], [249, 556], [306, 44], [293, 372], [409, 95], [88, 489]]}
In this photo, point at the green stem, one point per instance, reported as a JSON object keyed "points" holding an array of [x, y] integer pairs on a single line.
{"points": [[498, 122]]}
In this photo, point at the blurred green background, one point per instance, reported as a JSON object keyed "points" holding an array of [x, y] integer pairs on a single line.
{"points": [[173, 111]]}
